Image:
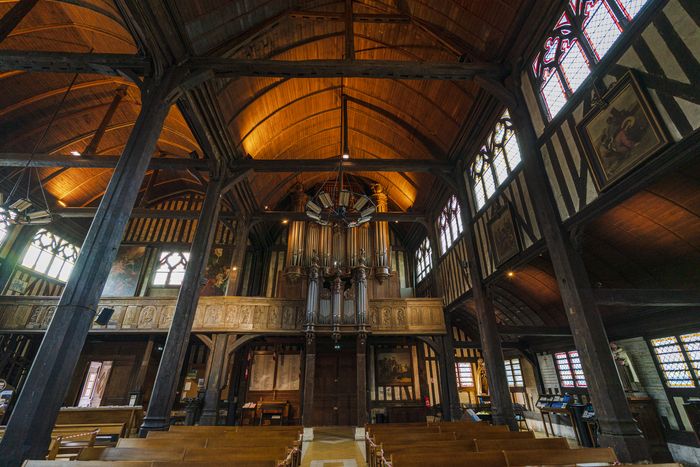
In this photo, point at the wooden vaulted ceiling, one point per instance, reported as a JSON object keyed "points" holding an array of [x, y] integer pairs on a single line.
{"points": [[58, 113]]}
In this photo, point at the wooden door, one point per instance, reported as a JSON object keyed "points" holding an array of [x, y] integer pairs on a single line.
{"points": [[335, 387]]}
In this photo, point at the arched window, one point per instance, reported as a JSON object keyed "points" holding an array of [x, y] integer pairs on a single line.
{"points": [[171, 268], [449, 224], [497, 159], [51, 255], [424, 260], [581, 37]]}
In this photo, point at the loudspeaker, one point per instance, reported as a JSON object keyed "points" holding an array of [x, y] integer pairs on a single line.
{"points": [[104, 316]]}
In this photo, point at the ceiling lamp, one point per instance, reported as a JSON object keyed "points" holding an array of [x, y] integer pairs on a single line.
{"points": [[338, 205], [19, 208]]}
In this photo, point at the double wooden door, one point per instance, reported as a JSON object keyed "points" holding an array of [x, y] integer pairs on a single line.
{"points": [[335, 387]]}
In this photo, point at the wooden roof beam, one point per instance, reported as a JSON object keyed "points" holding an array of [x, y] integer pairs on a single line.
{"points": [[377, 18], [67, 62], [379, 69], [273, 216], [647, 297], [541, 331], [12, 18], [83, 213], [95, 162], [331, 165]]}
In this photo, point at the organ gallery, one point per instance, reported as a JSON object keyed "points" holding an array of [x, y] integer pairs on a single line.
{"points": [[319, 233]]}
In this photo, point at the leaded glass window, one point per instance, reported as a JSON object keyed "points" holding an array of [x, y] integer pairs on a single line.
{"points": [[424, 260], [497, 159], [583, 34], [679, 359], [51, 255], [570, 370], [171, 268], [465, 374], [449, 224], [514, 373]]}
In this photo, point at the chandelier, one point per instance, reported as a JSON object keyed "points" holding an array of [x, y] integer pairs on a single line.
{"points": [[337, 205], [20, 208], [340, 206]]}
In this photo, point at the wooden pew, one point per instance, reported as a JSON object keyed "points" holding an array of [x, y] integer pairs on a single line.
{"points": [[220, 442], [215, 456], [560, 456], [144, 464], [131, 417], [460, 459], [511, 444]]}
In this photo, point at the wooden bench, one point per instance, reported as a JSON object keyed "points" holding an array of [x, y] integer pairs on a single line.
{"points": [[511, 444], [560, 456], [449, 459], [131, 417], [144, 464]]}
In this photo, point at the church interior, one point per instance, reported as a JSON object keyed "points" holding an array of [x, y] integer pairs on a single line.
{"points": [[378, 233]]}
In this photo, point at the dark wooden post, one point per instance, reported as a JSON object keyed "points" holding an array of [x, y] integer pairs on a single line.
{"points": [[24, 237], [210, 411], [29, 430], [163, 396], [307, 416], [501, 403], [617, 427], [240, 246], [137, 388], [452, 406], [13, 17], [361, 379]]}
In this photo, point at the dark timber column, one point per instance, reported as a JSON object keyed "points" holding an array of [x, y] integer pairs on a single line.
{"points": [[501, 404], [210, 411], [163, 396], [24, 237], [28, 432], [453, 408], [618, 428], [137, 388], [240, 246], [361, 379], [309, 375]]}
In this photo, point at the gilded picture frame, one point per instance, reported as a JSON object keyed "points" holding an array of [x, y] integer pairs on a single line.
{"points": [[622, 131]]}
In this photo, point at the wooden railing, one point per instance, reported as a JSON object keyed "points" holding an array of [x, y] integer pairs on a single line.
{"points": [[251, 315]]}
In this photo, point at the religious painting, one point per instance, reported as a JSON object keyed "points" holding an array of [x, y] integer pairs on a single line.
{"points": [[622, 131], [217, 272], [505, 242], [124, 276], [394, 367]]}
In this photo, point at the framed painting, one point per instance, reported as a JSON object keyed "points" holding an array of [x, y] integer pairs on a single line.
{"points": [[505, 242], [394, 367], [622, 131], [124, 276], [217, 272]]}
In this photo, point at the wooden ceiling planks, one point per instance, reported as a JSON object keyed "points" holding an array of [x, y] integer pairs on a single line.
{"points": [[89, 25]]}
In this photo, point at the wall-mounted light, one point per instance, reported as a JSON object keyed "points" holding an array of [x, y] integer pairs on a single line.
{"points": [[284, 221], [510, 274]]}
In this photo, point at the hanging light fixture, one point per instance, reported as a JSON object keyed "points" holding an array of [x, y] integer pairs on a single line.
{"points": [[20, 209], [336, 204]]}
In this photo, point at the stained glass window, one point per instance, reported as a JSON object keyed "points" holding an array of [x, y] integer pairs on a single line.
{"points": [[570, 370], [51, 255], [424, 260], [171, 268], [497, 159], [679, 359], [449, 224], [465, 374], [583, 34], [514, 373]]}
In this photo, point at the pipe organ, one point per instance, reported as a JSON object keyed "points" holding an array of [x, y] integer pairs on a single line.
{"points": [[336, 247]]}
